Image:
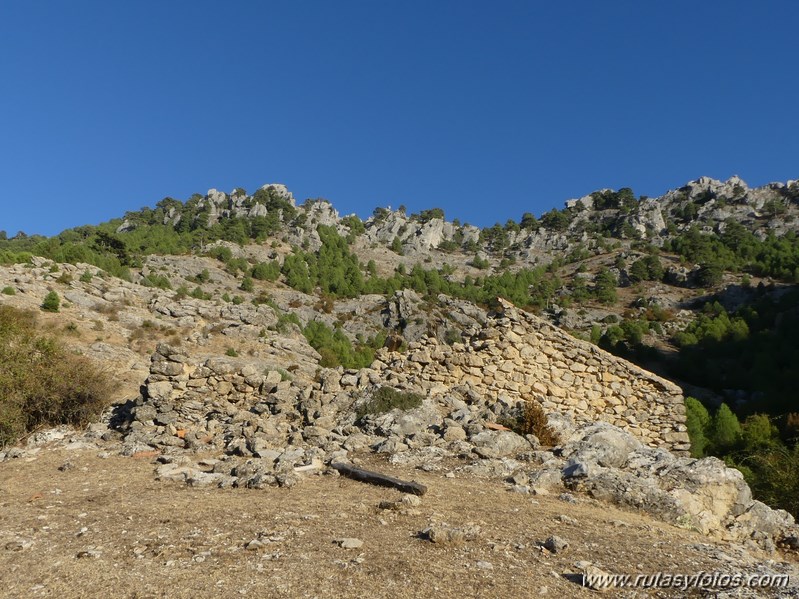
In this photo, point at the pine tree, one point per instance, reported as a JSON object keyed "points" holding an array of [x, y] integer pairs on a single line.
{"points": [[697, 419], [726, 430]]}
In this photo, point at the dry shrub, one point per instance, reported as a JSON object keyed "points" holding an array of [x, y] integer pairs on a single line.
{"points": [[325, 304], [42, 383], [535, 422], [110, 310], [791, 429], [385, 399]]}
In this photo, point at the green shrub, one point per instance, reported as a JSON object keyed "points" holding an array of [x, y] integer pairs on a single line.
{"points": [[396, 246], [773, 474], [203, 276], [648, 268], [237, 264], [266, 271], [41, 382], [246, 284], [198, 293], [221, 253], [605, 287], [51, 302], [335, 348], [355, 225], [231, 352], [709, 275], [8, 290], [284, 319], [154, 280], [481, 263], [758, 432], [385, 399], [452, 336], [86, 277]]}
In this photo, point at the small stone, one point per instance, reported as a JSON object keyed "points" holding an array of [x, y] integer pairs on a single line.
{"points": [[595, 578], [485, 565], [411, 500], [65, 466], [88, 553], [556, 544], [18, 545], [288, 479], [447, 535], [349, 543]]}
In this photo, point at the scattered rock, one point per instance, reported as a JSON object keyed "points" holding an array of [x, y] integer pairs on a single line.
{"points": [[18, 545], [349, 543], [556, 544], [449, 535], [593, 577]]}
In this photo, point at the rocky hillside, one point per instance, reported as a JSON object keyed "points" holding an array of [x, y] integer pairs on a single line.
{"points": [[253, 342], [230, 397], [629, 273]]}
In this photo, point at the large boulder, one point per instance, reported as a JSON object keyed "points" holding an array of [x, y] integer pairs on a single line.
{"points": [[611, 465]]}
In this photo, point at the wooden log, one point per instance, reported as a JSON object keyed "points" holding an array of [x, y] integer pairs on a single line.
{"points": [[375, 478]]}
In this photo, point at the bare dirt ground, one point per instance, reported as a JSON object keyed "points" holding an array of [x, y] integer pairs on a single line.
{"points": [[86, 523]]}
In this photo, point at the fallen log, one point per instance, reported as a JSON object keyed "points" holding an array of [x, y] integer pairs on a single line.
{"points": [[375, 478]]}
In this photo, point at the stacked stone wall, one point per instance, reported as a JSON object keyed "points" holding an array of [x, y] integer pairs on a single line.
{"points": [[519, 355], [515, 357]]}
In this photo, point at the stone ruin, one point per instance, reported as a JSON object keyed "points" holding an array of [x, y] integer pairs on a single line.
{"points": [[622, 432], [517, 357]]}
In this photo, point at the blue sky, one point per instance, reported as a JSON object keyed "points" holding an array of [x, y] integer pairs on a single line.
{"points": [[485, 109]]}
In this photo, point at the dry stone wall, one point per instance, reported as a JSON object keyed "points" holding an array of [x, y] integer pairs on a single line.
{"points": [[515, 357], [522, 356]]}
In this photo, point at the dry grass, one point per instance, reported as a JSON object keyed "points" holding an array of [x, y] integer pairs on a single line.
{"points": [[166, 540], [110, 310]]}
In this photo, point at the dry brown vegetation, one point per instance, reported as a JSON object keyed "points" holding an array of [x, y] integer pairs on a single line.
{"points": [[42, 383], [535, 422]]}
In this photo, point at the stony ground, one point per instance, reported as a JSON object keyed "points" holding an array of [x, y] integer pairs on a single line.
{"points": [[86, 522]]}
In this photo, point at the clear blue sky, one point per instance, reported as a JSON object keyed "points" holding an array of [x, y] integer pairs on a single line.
{"points": [[486, 109]]}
